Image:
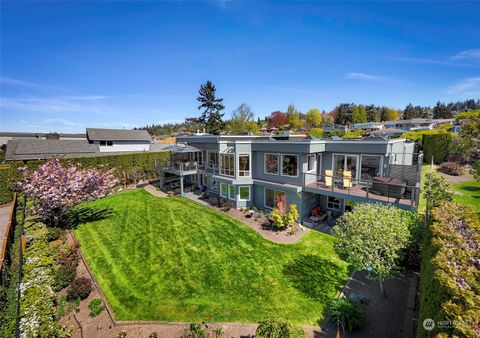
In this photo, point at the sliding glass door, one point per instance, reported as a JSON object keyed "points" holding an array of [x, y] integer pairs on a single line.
{"points": [[342, 162]]}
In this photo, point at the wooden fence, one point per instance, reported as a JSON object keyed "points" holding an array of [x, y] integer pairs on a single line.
{"points": [[9, 233]]}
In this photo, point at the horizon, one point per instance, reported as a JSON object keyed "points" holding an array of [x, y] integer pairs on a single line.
{"points": [[67, 66]]}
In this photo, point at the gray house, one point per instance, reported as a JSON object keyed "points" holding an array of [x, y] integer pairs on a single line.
{"points": [[268, 171]]}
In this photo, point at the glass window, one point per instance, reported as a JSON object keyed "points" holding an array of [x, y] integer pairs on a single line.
{"points": [[212, 159], [227, 164], [271, 163], [289, 165], [311, 162], [223, 189], [103, 143], [109, 143], [244, 193], [371, 165], [244, 165], [275, 199], [231, 191], [333, 203], [344, 162]]}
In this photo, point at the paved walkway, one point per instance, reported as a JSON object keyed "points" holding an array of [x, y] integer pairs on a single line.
{"points": [[154, 191], [4, 218]]}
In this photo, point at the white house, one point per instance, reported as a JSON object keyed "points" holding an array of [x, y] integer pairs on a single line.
{"points": [[119, 140]]}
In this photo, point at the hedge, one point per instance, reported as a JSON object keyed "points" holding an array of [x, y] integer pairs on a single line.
{"points": [[436, 145], [37, 302], [133, 166], [450, 284]]}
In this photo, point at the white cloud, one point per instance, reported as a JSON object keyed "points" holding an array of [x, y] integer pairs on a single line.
{"points": [[16, 82], [366, 77], [54, 104], [466, 87], [470, 54]]}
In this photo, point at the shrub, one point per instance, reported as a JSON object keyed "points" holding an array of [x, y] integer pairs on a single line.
{"points": [[277, 218], [95, 306], [154, 334], [80, 288], [195, 330], [451, 168], [55, 233], [63, 276], [476, 171], [122, 334], [436, 146], [68, 255], [219, 332], [273, 328], [292, 215], [349, 313], [449, 287], [436, 189]]}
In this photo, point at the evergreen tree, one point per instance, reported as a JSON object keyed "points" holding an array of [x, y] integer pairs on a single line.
{"points": [[212, 107], [441, 111]]}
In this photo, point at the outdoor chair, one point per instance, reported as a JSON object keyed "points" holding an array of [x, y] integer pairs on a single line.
{"points": [[347, 179], [328, 178]]}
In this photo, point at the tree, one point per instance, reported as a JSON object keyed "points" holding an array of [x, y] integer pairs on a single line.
{"points": [[212, 106], [243, 120], [292, 216], [389, 114], [436, 190], [373, 113], [359, 114], [373, 236], [343, 113], [441, 111], [293, 117], [277, 119], [56, 189], [314, 118]]}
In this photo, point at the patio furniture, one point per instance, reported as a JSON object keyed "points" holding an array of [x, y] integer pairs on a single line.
{"points": [[388, 186], [347, 179], [328, 178]]}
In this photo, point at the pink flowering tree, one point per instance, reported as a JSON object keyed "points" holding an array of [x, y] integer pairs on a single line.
{"points": [[56, 189]]}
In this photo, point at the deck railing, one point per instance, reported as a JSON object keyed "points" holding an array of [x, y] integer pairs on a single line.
{"points": [[8, 235], [181, 166]]}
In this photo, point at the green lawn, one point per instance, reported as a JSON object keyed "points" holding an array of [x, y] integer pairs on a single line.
{"points": [[174, 260], [468, 193]]}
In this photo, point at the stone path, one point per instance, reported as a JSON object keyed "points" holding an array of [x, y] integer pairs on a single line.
{"points": [[154, 191]]}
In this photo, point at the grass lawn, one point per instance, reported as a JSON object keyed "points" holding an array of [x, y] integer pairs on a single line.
{"points": [[468, 193], [171, 259]]}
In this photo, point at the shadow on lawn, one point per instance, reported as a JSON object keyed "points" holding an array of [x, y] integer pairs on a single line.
{"points": [[87, 214]]}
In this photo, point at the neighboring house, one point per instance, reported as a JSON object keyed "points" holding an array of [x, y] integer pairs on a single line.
{"points": [[418, 124], [97, 142], [6, 136], [368, 126], [263, 171], [387, 132], [336, 127]]}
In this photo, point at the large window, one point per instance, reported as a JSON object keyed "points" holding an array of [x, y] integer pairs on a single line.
{"points": [[275, 199], [212, 159], [311, 162], [227, 164], [371, 167], [271, 164], [333, 203], [289, 165], [223, 189], [343, 163], [244, 165], [231, 191], [244, 193]]}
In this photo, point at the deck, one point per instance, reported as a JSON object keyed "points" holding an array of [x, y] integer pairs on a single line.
{"points": [[358, 193]]}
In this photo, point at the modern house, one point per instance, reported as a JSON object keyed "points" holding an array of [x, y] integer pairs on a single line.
{"points": [[96, 142], [263, 171], [418, 124]]}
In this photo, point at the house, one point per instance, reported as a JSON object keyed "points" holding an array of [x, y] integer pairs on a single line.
{"points": [[6, 136], [263, 171], [368, 126], [418, 124], [96, 142], [336, 127]]}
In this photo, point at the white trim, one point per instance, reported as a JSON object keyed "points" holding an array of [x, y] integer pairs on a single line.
{"points": [[220, 189], [281, 165], [265, 163], [234, 192], [249, 192], [314, 163], [374, 155], [340, 203], [347, 154], [221, 162], [249, 164], [265, 197], [319, 163]]}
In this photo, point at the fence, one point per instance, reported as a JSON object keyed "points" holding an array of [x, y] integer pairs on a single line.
{"points": [[10, 221]]}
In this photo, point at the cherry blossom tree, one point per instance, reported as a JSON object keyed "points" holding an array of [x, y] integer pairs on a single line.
{"points": [[56, 189]]}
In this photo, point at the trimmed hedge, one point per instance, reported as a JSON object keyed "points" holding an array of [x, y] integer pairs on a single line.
{"points": [[436, 145], [450, 284], [133, 166]]}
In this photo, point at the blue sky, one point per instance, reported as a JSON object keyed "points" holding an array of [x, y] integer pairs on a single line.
{"points": [[68, 65]]}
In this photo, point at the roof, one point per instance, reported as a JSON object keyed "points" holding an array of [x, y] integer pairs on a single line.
{"points": [[27, 149], [419, 120], [15, 134], [181, 148], [96, 134]]}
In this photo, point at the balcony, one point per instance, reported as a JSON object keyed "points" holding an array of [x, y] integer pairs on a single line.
{"points": [[381, 189], [180, 168]]}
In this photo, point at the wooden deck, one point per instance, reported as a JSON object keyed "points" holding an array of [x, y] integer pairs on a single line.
{"points": [[357, 192]]}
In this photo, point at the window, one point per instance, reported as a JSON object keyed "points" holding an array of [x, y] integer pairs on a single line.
{"points": [[333, 203], [212, 159], [244, 193], [289, 165], [311, 162], [371, 167], [244, 165], [109, 143], [343, 162], [275, 199], [231, 191], [103, 143], [271, 164], [227, 164], [223, 189]]}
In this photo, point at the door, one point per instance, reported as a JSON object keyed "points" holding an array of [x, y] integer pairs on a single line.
{"points": [[342, 162]]}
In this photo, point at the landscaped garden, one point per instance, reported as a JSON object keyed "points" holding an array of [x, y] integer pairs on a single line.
{"points": [[171, 259]]}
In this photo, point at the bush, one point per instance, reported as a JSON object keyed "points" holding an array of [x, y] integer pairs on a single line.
{"points": [[292, 215], [80, 288], [96, 307], [273, 328], [449, 284], [436, 189], [68, 255], [63, 276], [277, 218], [436, 146], [349, 313], [6, 187], [55, 233], [451, 168], [196, 330]]}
